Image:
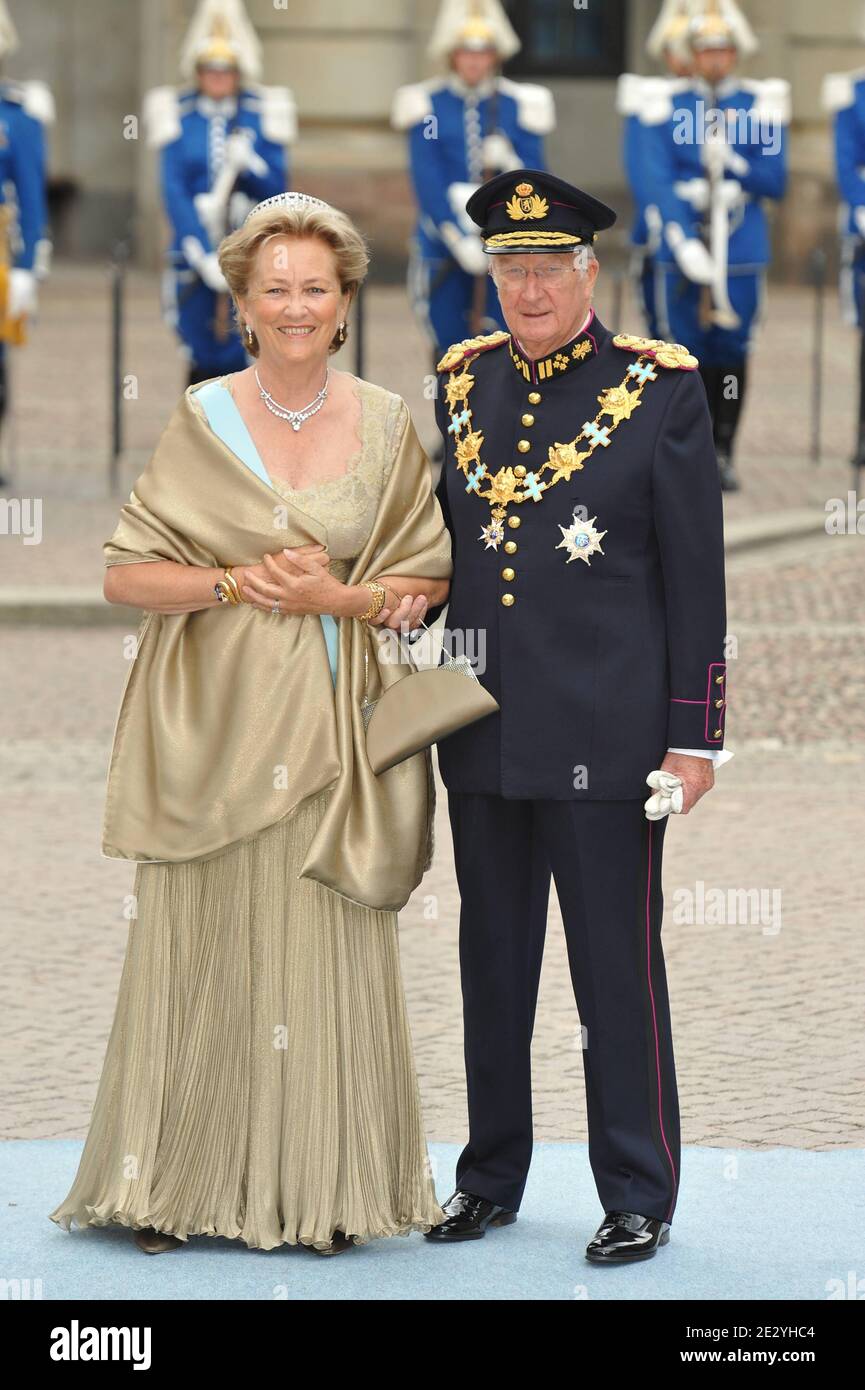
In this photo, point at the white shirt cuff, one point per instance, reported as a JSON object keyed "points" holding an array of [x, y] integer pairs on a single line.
{"points": [[719, 756]]}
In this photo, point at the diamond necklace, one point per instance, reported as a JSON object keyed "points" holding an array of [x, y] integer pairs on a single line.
{"points": [[294, 417]]}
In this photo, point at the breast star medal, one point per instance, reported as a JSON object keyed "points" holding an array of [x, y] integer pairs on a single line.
{"points": [[492, 535], [580, 539]]}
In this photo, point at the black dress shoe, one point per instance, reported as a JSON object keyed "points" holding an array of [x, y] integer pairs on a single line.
{"points": [[468, 1217], [623, 1237]]}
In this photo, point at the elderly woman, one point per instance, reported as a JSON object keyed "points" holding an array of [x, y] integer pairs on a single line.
{"points": [[259, 1081]]}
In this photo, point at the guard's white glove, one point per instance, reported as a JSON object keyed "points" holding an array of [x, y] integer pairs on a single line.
{"points": [[241, 154], [694, 261], [667, 795], [729, 192], [23, 293], [695, 192], [498, 153], [859, 219], [205, 263], [466, 250]]}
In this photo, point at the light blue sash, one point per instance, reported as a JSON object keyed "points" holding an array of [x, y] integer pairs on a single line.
{"points": [[226, 420]]}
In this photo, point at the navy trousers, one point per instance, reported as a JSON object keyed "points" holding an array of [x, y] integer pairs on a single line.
{"points": [[605, 859]]}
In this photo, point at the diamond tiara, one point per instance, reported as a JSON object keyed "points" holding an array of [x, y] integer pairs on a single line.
{"points": [[286, 200]]}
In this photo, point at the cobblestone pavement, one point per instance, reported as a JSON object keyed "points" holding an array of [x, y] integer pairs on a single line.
{"points": [[62, 419], [766, 1010]]}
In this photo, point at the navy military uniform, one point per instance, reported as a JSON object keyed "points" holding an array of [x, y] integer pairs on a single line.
{"points": [[588, 553]]}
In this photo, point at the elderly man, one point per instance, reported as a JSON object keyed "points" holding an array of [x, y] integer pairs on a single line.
{"points": [[581, 491]]}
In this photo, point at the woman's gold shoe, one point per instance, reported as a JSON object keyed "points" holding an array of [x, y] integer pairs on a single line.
{"points": [[154, 1242], [339, 1244]]}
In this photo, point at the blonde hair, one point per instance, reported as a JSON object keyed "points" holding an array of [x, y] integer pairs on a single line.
{"points": [[237, 252]]}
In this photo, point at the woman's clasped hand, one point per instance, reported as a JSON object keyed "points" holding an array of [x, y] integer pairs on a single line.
{"points": [[299, 578]]}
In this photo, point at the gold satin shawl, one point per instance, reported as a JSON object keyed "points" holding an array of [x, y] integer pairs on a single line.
{"points": [[229, 717]]}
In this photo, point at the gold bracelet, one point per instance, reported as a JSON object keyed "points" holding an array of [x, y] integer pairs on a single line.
{"points": [[233, 584], [226, 589], [379, 595]]}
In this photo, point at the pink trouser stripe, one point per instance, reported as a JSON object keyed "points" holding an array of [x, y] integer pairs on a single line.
{"points": [[655, 1026]]}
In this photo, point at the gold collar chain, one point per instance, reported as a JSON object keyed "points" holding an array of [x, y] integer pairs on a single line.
{"points": [[517, 484]]}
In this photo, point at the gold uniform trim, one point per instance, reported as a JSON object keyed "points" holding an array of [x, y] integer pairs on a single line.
{"points": [[532, 238], [665, 354], [559, 362], [457, 351]]}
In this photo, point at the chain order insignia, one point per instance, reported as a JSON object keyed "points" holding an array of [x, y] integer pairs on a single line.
{"points": [[674, 355], [515, 485], [458, 352]]}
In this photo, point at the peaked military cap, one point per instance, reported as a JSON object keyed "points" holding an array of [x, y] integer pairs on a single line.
{"points": [[529, 210]]}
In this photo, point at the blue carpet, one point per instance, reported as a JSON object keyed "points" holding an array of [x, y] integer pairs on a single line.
{"points": [[774, 1224]]}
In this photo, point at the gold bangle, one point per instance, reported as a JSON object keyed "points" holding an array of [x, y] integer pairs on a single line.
{"points": [[232, 582], [378, 597], [226, 591]]}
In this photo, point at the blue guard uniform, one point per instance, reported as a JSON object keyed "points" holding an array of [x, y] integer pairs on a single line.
{"points": [[634, 93], [458, 135], [193, 135], [25, 109], [713, 156], [582, 498], [844, 98]]}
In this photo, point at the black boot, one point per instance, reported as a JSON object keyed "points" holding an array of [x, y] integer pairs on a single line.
{"points": [[731, 396]]}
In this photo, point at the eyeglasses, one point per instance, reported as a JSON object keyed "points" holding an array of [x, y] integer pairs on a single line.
{"points": [[515, 277]]}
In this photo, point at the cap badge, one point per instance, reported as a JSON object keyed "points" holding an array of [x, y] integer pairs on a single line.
{"points": [[526, 205]]}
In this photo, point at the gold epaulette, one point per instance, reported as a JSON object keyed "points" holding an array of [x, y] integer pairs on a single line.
{"points": [[665, 354], [470, 347]]}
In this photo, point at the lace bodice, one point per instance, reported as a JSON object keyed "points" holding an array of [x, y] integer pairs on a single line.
{"points": [[347, 505]]}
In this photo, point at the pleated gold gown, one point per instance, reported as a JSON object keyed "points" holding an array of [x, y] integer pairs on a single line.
{"points": [[259, 1079]]}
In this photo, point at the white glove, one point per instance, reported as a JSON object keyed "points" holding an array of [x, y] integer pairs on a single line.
{"points": [[693, 191], [466, 250], [729, 192], [205, 263], [498, 153], [859, 219], [717, 154], [211, 274], [240, 153], [668, 795], [694, 261], [22, 293]]}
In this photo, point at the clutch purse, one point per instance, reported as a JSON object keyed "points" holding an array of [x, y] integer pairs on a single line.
{"points": [[421, 708]]}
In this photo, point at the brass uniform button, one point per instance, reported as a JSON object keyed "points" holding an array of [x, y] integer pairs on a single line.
{"points": [[717, 733], [528, 419], [510, 547], [534, 398], [520, 470], [508, 600], [719, 680], [524, 446], [513, 522], [719, 704], [508, 573]]}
